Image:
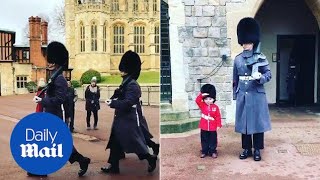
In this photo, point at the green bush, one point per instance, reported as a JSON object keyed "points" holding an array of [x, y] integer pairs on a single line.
{"points": [[31, 86], [75, 83], [87, 76]]}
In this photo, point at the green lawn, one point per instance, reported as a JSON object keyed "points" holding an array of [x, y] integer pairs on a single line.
{"points": [[144, 78]]}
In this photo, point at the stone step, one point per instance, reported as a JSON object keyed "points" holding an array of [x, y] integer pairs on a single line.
{"points": [[169, 115], [165, 106], [169, 127]]}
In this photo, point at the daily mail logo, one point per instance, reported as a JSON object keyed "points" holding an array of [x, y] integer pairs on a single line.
{"points": [[32, 150], [41, 143]]}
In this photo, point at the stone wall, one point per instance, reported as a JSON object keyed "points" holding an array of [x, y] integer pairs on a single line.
{"points": [[107, 62], [204, 39]]}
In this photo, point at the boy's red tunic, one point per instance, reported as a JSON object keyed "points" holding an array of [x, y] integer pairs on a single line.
{"points": [[210, 117]]}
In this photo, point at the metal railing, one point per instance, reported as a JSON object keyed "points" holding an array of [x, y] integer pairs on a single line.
{"points": [[150, 93]]}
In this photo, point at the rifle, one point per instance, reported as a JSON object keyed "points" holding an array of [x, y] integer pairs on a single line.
{"points": [[51, 79]]}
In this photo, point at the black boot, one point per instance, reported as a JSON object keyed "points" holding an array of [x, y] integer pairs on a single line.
{"points": [[111, 169], [122, 155], [36, 175], [155, 149], [256, 155], [84, 163], [152, 160], [246, 153]]}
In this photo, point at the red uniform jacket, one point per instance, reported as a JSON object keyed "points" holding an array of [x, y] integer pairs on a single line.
{"points": [[210, 117], [39, 107]]}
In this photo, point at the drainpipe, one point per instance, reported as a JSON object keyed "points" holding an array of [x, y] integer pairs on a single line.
{"points": [[13, 84]]}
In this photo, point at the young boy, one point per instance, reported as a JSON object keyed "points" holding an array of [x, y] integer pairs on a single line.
{"points": [[210, 120]]}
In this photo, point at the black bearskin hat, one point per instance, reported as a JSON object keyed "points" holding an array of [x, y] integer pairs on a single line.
{"points": [[248, 31], [57, 53], [210, 89], [131, 64]]}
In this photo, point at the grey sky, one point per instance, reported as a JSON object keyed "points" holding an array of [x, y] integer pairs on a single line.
{"points": [[14, 15]]}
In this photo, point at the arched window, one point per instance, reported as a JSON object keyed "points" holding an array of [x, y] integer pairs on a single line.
{"points": [[94, 32], [115, 5], [118, 38], [82, 38], [139, 39], [146, 5], [104, 37], [135, 6], [155, 6], [157, 38], [127, 5]]}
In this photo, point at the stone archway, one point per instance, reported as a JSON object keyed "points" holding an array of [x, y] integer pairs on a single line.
{"points": [[249, 8]]}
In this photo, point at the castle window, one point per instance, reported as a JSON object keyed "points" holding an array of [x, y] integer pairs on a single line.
{"points": [[146, 5], [94, 37], [135, 6], [21, 81], [157, 38], [139, 39], [155, 6], [82, 38], [115, 5], [104, 37], [118, 39], [127, 5]]}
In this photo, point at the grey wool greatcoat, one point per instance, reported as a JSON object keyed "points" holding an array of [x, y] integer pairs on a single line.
{"points": [[252, 112], [126, 127]]}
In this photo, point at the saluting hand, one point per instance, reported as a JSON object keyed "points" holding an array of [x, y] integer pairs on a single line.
{"points": [[205, 94]]}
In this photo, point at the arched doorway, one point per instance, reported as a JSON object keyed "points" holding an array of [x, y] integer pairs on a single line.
{"points": [[289, 36], [283, 20]]}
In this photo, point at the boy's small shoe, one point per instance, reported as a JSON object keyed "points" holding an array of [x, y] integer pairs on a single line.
{"points": [[88, 128], [203, 155], [214, 155]]}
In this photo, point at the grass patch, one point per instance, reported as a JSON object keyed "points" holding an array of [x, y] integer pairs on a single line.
{"points": [[144, 78]]}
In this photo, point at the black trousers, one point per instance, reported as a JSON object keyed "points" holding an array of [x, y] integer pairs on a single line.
{"points": [[208, 142], [257, 141], [72, 118], [116, 153], [95, 115], [75, 156]]}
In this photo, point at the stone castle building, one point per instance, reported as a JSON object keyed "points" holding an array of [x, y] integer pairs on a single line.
{"points": [[98, 32], [203, 32]]}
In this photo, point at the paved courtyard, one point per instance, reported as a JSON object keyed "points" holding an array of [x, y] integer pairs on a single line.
{"points": [[292, 151], [90, 143]]}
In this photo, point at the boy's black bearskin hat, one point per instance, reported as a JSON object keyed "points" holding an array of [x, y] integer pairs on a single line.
{"points": [[210, 89], [131, 64], [248, 31], [57, 53]]}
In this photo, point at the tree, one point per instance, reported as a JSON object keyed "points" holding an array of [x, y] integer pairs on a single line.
{"points": [[56, 24], [59, 17]]}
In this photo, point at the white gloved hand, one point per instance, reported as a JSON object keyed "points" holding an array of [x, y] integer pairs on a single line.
{"points": [[108, 102], [36, 99], [205, 94], [256, 75]]}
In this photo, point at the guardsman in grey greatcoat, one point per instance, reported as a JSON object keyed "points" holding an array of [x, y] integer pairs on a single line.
{"points": [[250, 72]]}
